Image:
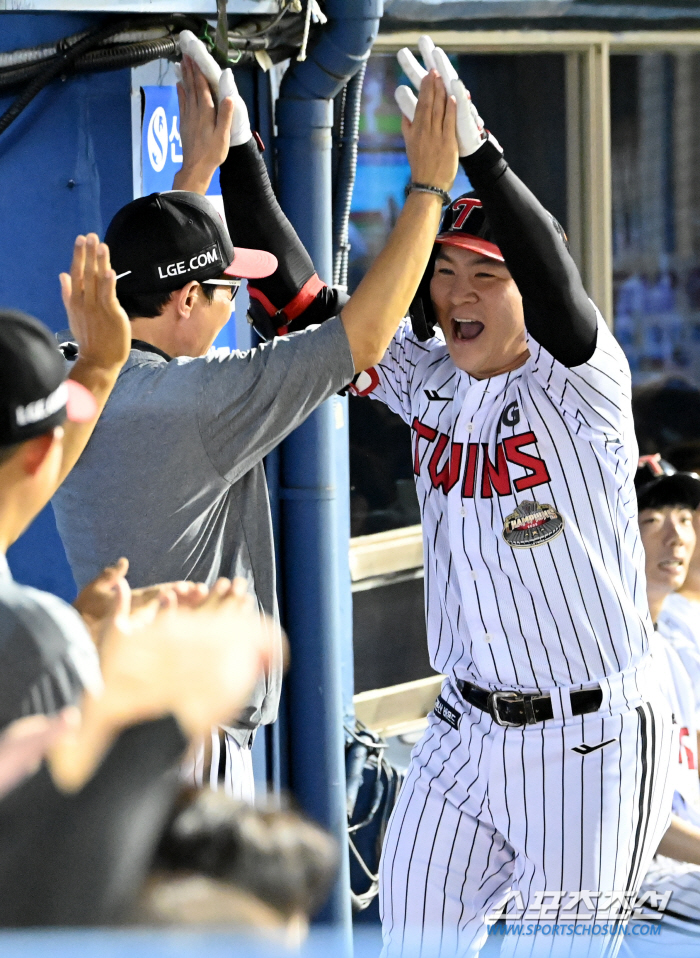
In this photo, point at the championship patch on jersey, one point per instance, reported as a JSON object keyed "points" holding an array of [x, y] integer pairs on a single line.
{"points": [[532, 524]]}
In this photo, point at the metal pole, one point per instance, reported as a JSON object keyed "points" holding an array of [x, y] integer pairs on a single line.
{"points": [[310, 518]]}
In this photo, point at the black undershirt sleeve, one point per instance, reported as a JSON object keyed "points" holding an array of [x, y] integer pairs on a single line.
{"points": [[558, 312], [256, 220]]}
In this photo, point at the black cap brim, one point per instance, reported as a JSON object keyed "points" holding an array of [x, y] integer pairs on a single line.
{"points": [[680, 489]]}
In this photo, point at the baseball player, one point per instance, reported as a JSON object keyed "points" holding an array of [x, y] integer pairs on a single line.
{"points": [[544, 767], [667, 503], [680, 614], [543, 775]]}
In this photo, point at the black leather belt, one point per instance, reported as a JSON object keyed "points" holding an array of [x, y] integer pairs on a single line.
{"points": [[515, 709]]}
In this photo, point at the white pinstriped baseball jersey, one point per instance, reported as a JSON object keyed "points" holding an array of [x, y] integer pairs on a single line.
{"points": [[681, 879], [534, 570], [679, 691]]}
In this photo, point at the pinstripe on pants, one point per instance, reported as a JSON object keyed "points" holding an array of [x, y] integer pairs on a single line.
{"points": [[485, 810]]}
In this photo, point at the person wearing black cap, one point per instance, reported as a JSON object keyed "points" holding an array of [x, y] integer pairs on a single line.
{"points": [[173, 476], [46, 655], [667, 502]]}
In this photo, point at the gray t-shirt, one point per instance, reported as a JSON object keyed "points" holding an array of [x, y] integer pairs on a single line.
{"points": [[172, 477], [47, 658]]}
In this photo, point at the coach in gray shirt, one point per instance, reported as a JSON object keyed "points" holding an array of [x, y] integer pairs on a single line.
{"points": [[172, 477]]}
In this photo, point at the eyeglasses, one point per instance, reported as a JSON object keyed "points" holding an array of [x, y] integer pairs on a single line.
{"points": [[232, 284]]}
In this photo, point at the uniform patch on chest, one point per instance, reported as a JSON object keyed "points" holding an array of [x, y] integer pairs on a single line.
{"points": [[532, 524]]}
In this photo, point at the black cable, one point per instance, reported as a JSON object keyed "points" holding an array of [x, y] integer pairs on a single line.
{"points": [[63, 62], [126, 54], [347, 166]]}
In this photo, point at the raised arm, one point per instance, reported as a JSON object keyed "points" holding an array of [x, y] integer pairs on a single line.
{"points": [[101, 330], [294, 297], [558, 312], [385, 293]]}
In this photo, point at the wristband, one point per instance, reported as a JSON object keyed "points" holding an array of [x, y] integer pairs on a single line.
{"points": [[426, 188]]}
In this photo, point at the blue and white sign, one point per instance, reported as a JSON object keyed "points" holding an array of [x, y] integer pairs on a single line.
{"points": [[161, 146]]}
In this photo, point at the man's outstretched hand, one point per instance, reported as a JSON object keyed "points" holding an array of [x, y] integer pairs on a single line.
{"points": [[205, 129], [97, 321]]}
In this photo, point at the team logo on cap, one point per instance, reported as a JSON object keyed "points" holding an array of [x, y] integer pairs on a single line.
{"points": [[466, 205], [532, 524], [199, 261]]}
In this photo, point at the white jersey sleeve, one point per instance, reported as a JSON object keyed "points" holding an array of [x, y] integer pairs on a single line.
{"points": [[594, 398], [404, 363]]}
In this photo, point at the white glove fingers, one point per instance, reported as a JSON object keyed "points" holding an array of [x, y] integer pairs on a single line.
{"points": [[194, 48], [427, 50], [444, 67], [227, 86], [178, 72], [411, 67], [407, 101]]}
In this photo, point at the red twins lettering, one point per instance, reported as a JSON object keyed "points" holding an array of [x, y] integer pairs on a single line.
{"points": [[422, 432], [449, 474], [478, 468]]}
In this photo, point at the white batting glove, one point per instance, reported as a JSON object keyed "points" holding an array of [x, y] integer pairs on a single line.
{"points": [[240, 125], [221, 82], [470, 126]]}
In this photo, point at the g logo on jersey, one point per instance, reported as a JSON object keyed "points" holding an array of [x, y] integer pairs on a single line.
{"points": [[532, 524]]}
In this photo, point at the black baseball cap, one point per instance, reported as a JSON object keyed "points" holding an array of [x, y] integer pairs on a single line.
{"points": [[163, 241], [464, 224], [658, 485], [35, 395]]}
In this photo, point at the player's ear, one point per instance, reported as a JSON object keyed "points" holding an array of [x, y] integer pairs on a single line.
{"points": [[34, 451], [185, 299]]}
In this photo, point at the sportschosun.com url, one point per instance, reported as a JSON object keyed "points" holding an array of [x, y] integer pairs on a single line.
{"points": [[593, 929]]}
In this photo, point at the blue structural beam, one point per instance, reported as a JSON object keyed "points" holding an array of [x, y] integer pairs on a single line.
{"points": [[65, 168], [314, 488]]}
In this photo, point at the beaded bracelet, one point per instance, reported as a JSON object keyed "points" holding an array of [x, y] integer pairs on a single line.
{"points": [[426, 188]]}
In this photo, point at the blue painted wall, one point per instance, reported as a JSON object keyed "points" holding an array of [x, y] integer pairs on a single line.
{"points": [[77, 131]]}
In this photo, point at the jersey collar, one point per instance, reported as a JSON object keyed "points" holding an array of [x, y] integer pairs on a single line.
{"points": [[147, 348]]}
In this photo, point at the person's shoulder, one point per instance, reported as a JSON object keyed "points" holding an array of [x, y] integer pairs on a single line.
{"points": [[34, 609]]}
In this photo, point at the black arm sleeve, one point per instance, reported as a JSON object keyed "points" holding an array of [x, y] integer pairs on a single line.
{"points": [[81, 859], [558, 312], [255, 220], [293, 297]]}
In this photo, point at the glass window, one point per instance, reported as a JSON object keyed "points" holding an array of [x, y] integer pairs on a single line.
{"points": [[656, 239]]}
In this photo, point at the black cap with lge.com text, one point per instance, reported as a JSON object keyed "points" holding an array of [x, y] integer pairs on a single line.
{"points": [[159, 243], [35, 396]]}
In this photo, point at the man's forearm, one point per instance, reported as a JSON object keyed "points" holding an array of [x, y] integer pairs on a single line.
{"points": [[382, 299], [100, 382], [681, 842]]}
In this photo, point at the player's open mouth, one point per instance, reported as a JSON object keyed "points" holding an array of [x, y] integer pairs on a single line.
{"points": [[672, 564], [466, 329]]}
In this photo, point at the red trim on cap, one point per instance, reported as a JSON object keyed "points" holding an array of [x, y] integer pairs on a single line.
{"points": [[81, 405], [474, 243], [251, 264], [653, 462]]}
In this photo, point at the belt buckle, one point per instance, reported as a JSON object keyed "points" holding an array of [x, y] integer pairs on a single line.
{"points": [[493, 700]]}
